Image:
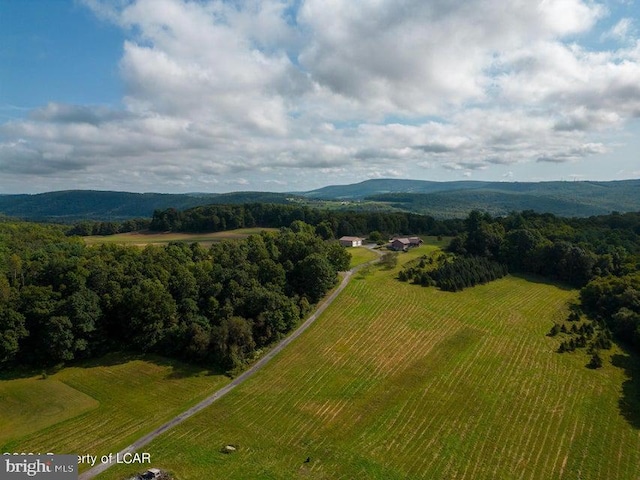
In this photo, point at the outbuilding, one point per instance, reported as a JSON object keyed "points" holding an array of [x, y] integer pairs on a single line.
{"points": [[415, 241], [351, 241]]}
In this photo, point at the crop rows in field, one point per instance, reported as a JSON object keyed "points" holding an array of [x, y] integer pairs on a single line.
{"points": [[399, 381], [128, 398]]}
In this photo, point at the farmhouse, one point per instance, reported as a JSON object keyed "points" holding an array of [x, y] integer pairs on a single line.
{"points": [[404, 243], [351, 241], [400, 244]]}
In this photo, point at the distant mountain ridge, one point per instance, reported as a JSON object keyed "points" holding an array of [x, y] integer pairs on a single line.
{"points": [[439, 199], [381, 186], [387, 185], [456, 199]]}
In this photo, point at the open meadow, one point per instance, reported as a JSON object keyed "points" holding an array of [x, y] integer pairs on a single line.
{"points": [[163, 238], [397, 381], [98, 407]]}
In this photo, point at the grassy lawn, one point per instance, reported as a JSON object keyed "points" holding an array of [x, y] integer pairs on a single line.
{"points": [[99, 407], [360, 255], [148, 238], [396, 381], [31, 404]]}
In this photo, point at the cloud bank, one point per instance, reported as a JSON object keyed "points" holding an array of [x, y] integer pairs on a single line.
{"points": [[296, 94]]}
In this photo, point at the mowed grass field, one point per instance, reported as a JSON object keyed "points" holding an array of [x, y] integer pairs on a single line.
{"points": [[100, 407], [31, 404], [161, 238], [396, 381], [360, 255]]}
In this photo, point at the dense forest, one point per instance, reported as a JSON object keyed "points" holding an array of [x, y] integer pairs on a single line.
{"points": [[61, 300], [329, 223], [600, 255]]}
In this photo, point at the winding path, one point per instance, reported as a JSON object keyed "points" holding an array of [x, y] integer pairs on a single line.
{"points": [[138, 444]]}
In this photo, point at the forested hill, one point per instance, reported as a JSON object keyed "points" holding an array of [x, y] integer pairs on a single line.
{"points": [[437, 199], [458, 203], [457, 199], [75, 205], [79, 204], [580, 190]]}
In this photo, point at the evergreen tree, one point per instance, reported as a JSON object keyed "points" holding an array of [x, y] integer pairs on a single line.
{"points": [[596, 361]]}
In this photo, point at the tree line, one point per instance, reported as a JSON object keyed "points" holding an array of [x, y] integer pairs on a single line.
{"points": [[61, 300], [87, 228], [573, 251], [328, 223]]}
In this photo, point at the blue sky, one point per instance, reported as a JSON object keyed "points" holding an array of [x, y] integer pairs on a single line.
{"points": [[282, 95], [56, 50]]}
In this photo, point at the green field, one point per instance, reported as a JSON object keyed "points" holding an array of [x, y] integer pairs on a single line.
{"points": [[360, 255], [155, 238], [31, 404], [396, 381], [99, 407]]}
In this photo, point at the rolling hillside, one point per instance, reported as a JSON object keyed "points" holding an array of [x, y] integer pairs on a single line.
{"points": [[439, 199], [458, 203], [369, 188], [456, 199], [73, 205]]}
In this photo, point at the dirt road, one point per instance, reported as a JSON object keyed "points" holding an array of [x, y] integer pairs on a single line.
{"points": [[138, 444]]}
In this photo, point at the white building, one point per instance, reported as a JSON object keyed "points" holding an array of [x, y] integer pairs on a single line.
{"points": [[351, 241]]}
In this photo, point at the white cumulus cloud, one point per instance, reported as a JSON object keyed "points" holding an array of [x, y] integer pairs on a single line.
{"points": [[298, 94]]}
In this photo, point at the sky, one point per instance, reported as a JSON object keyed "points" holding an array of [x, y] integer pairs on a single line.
{"points": [[291, 95]]}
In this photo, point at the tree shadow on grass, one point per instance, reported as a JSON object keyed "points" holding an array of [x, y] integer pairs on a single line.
{"points": [[19, 372], [179, 369], [15, 372], [542, 280], [182, 369], [629, 402]]}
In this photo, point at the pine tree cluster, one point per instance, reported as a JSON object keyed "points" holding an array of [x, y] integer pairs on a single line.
{"points": [[590, 335], [454, 274]]}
